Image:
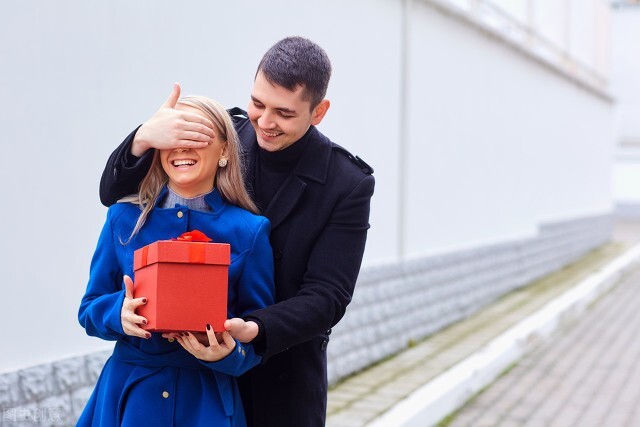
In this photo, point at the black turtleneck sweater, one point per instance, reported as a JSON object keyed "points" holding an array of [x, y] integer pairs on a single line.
{"points": [[273, 168]]}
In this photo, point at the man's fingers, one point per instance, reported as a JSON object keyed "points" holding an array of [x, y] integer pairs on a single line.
{"points": [[190, 139], [242, 331], [197, 123], [128, 286], [173, 98], [234, 326]]}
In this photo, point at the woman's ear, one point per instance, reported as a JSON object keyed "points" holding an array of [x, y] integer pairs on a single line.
{"points": [[224, 158], [318, 113]]}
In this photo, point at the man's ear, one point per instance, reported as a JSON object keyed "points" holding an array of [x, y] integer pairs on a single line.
{"points": [[318, 113]]}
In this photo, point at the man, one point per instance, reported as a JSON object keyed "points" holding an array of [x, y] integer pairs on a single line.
{"points": [[316, 196]]}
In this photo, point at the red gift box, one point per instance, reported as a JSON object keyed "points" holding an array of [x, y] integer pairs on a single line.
{"points": [[185, 283]]}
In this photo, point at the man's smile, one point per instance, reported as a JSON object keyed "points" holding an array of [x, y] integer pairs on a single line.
{"points": [[270, 134]]}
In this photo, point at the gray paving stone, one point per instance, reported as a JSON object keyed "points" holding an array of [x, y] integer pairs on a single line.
{"points": [[345, 420], [588, 374]]}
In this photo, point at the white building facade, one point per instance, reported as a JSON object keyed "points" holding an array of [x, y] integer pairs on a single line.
{"points": [[488, 123], [625, 86]]}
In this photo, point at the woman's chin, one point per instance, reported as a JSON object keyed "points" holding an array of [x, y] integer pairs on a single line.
{"points": [[189, 188]]}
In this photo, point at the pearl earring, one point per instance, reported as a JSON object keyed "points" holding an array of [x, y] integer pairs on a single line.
{"points": [[222, 162]]}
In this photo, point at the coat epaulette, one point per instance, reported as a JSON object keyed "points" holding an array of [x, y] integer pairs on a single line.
{"points": [[237, 114], [355, 159]]}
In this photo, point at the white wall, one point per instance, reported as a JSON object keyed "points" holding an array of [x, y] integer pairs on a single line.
{"points": [[625, 84], [496, 143], [77, 77]]}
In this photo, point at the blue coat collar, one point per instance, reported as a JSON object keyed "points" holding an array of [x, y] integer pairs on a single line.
{"points": [[214, 199]]}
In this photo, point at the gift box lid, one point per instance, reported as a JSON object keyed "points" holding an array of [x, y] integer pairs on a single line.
{"points": [[175, 251]]}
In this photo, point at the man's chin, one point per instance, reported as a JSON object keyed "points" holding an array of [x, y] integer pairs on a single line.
{"points": [[267, 146]]}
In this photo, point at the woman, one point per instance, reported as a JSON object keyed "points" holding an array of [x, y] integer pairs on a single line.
{"points": [[151, 380]]}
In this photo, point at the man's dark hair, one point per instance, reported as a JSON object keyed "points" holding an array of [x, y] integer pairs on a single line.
{"points": [[296, 61]]}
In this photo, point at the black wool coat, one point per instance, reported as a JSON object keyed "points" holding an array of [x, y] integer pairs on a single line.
{"points": [[319, 221]]}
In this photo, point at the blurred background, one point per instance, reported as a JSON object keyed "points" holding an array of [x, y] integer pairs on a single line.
{"points": [[506, 128]]}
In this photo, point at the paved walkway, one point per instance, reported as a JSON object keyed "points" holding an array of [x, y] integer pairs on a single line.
{"points": [[591, 362], [587, 375]]}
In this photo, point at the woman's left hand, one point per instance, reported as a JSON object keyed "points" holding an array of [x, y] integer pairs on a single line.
{"points": [[200, 336], [214, 352]]}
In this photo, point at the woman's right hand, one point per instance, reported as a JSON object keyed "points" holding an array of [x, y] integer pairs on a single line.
{"points": [[130, 320]]}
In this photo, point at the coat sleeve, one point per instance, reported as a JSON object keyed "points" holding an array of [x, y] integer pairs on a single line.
{"points": [[329, 279], [242, 358], [255, 290], [101, 304], [123, 172]]}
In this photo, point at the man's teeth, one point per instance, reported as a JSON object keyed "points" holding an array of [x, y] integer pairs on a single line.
{"points": [[183, 162], [271, 134]]}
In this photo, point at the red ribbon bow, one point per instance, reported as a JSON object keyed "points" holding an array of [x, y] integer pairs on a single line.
{"points": [[193, 236]]}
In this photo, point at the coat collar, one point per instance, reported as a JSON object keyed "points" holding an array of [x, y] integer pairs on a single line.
{"points": [[312, 166], [313, 163], [214, 199]]}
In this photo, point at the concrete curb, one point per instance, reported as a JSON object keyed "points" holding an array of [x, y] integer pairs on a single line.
{"points": [[450, 390]]}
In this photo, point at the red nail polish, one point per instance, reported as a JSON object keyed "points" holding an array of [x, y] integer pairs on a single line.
{"points": [[186, 334], [144, 300], [147, 336], [144, 321], [208, 327]]}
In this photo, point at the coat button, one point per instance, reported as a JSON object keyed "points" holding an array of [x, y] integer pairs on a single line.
{"points": [[180, 214], [165, 394], [170, 339]]}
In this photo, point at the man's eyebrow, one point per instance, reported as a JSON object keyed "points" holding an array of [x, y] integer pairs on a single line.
{"points": [[282, 109]]}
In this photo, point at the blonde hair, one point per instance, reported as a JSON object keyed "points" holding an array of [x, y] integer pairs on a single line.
{"points": [[228, 180]]}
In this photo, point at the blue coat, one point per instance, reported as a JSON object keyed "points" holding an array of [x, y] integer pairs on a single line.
{"points": [[157, 382]]}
